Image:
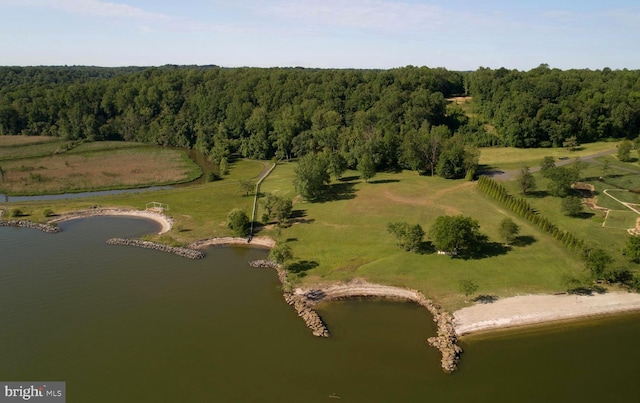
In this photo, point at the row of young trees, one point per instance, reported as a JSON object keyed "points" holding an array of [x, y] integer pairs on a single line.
{"points": [[522, 207], [546, 107]]}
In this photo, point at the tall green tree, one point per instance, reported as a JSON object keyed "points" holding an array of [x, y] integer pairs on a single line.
{"points": [[455, 234], [238, 222], [509, 230], [311, 176], [526, 180], [596, 261], [560, 180], [277, 208], [281, 253], [632, 249], [571, 206], [547, 164], [408, 236], [366, 167], [468, 287], [624, 150]]}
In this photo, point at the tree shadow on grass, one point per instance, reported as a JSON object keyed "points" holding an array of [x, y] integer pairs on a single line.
{"points": [[538, 194], [485, 250], [524, 240], [485, 299], [300, 268], [338, 191], [380, 181], [584, 215], [298, 217]]}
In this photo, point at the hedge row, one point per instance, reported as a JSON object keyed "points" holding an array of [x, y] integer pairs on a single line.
{"points": [[522, 207]]}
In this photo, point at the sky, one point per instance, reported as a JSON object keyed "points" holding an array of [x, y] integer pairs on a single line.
{"points": [[455, 34]]}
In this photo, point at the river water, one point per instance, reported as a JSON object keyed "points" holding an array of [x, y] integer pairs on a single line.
{"points": [[122, 324]]}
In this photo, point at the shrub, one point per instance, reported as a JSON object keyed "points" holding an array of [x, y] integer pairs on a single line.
{"points": [[47, 212], [238, 222], [16, 212]]}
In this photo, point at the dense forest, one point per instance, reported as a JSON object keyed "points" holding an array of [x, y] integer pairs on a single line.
{"points": [[546, 107], [398, 118]]}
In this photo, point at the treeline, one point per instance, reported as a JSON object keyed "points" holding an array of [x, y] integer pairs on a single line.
{"points": [[257, 113], [522, 207], [547, 107]]}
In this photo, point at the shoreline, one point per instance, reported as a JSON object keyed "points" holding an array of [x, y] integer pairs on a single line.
{"points": [[528, 310], [165, 221], [508, 313], [445, 340], [259, 241]]}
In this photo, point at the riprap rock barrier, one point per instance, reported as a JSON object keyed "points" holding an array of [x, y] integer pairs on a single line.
{"points": [[299, 302], [51, 229], [184, 252]]}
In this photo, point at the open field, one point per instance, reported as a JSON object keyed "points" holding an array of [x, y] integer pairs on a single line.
{"points": [[589, 226], [347, 238], [119, 168], [13, 141], [622, 220], [513, 158]]}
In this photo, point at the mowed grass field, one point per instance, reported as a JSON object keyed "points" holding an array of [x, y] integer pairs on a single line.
{"points": [[612, 236], [347, 238], [93, 166], [513, 158]]}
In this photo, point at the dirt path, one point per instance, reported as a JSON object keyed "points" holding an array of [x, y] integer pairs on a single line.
{"points": [[630, 206]]}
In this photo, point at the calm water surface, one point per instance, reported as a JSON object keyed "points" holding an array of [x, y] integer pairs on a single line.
{"points": [[122, 324]]}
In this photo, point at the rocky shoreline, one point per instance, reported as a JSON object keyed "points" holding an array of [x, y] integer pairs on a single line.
{"points": [[50, 229], [184, 252], [446, 339], [298, 302], [304, 300]]}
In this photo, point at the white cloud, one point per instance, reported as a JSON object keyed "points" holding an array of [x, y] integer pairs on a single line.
{"points": [[95, 8]]}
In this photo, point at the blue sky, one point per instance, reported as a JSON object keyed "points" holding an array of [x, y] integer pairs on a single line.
{"points": [[455, 34]]}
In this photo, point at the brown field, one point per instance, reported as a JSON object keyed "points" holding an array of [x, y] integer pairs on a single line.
{"points": [[11, 141], [114, 169]]}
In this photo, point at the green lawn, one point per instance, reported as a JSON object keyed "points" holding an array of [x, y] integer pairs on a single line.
{"points": [[513, 158], [347, 238]]}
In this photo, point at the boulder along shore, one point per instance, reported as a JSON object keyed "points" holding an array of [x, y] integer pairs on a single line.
{"points": [[51, 229], [446, 339], [184, 252], [303, 301]]}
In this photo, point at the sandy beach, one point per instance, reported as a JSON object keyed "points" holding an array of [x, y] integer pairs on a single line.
{"points": [[260, 241], [165, 221], [537, 309]]}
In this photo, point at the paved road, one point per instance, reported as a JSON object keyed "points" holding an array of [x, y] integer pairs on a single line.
{"points": [[511, 174]]}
